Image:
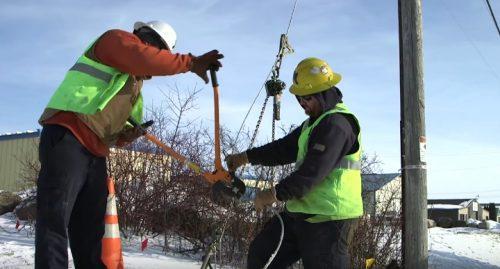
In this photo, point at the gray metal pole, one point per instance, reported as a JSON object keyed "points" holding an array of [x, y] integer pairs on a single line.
{"points": [[413, 140]]}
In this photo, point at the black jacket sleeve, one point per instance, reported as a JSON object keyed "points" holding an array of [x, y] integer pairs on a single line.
{"points": [[334, 137], [280, 152]]}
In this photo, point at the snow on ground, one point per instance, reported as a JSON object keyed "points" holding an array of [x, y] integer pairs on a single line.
{"points": [[17, 251], [457, 248], [465, 247]]}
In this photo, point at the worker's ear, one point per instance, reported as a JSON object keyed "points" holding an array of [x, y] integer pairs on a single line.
{"points": [[149, 37]]}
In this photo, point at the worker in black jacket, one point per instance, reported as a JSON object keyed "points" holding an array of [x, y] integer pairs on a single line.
{"points": [[323, 194]]}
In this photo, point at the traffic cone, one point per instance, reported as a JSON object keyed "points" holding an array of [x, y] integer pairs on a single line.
{"points": [[111, 242]]}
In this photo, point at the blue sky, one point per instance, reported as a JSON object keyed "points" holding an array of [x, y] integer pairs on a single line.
{"points": [[359, 39]]}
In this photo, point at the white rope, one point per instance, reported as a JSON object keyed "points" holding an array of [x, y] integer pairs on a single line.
{"points": [[279, 243]]}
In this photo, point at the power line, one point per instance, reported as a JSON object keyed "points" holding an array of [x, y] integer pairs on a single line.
{"points": [[493, 16], [291, 17], [487, 64]]}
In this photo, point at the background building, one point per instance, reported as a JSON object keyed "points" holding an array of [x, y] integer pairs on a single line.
{"points": [[456, 209], [382, 193], [493, 209], [15, 150]]}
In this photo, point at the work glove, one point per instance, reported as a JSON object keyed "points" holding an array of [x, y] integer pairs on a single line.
{"points": [[265, 198], [234, 161], [130, 134], [201, 64]]}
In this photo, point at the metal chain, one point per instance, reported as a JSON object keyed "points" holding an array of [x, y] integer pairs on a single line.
{"points": [[284, 49], [273, 137], [261, 115], [273, 128], [254, 135]]}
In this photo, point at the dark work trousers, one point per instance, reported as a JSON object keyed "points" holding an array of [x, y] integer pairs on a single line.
{"points": [[320, 245], [71, 202]]}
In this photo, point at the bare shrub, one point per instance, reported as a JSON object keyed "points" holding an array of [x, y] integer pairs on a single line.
{"points": [[160, 197], [378, 235]]}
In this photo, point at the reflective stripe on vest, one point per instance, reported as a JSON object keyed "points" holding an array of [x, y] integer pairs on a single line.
{"points": [[343, 164], [92, 71], [89, 86], [348, 164]]}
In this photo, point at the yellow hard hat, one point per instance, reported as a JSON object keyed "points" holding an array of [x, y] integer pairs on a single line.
{"points": [[313, 75]]}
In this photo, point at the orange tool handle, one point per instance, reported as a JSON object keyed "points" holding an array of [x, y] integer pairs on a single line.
{"points": [[173, 153], [220, 173], [215, 85], [210, 177]]}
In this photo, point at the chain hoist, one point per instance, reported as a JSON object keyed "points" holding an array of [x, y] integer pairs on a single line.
{"points": [[274, 87]]}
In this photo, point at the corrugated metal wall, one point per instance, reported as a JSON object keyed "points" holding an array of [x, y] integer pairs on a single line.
{"points": [[13, 151]]}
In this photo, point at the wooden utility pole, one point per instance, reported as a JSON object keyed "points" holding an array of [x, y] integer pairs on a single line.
{"points": [[413, 141]]}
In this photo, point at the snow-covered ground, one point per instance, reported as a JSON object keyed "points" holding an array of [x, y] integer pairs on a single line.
{"points": [[466, 248], [457, 248], [17, 251]]}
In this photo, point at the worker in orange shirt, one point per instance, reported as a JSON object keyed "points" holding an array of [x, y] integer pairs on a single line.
{"points": [[85, 117]]}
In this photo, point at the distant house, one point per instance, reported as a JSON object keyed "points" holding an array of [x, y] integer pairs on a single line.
{"points": [[15, 149], [484, 213], [382, 193], [456, 209], [492, 215]]}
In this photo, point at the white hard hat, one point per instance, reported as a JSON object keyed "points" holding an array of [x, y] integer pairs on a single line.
{"points": [[164, 30]]}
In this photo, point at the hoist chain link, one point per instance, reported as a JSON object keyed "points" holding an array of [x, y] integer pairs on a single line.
{"points": [[274, 130], [261, 115], [284, 49]]}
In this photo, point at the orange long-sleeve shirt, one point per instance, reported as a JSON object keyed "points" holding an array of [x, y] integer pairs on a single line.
{"points": [[127, 53]]}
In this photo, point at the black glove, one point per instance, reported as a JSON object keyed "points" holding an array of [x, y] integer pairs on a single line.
{"points": [[265, 198], [130, 134], [201, 64], [234, 161]]}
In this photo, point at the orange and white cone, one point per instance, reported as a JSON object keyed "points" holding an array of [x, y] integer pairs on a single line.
{"points": [[111, 242]]}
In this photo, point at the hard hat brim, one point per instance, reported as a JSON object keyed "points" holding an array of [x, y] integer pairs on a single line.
{"points": [[301, 91]]}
